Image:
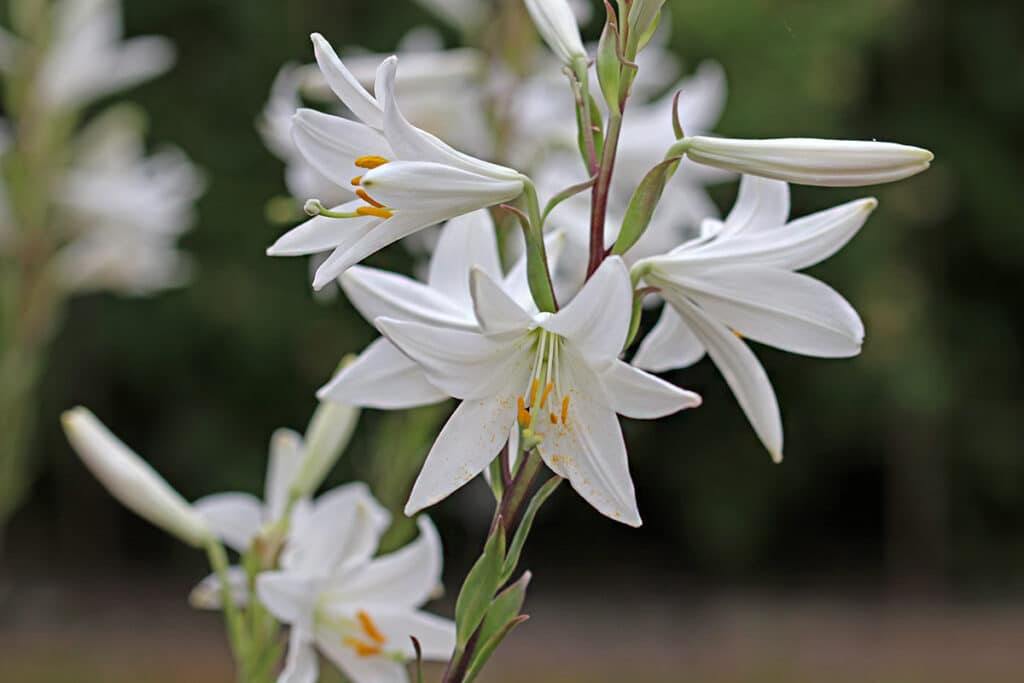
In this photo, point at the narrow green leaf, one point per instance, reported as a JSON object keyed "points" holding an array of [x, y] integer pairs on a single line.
{"points": [[478, 590], [642, 205], [505, 607], [519, 540], [608, 64], [487, 649]]}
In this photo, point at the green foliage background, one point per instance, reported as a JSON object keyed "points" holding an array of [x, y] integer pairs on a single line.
{"points": [[902, 463]]}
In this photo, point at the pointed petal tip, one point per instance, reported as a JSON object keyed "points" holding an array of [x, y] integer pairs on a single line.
{"points": [[776, 457]]}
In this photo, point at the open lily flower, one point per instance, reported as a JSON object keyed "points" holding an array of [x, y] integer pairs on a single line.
{"points": [[405, 178], [357, 610], [384, 377], [737, 281], [557, 375]]}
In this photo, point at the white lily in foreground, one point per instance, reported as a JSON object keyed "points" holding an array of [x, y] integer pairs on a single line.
{"points": [[737, 281], [405, 178], [382, 376], [557, 375], [359, 611]]}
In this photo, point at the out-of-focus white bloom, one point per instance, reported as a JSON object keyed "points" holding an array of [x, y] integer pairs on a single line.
{"points": [[466, 15], [88, 60], [328, 434], [738, 280], [556, 23], [557, 375], [126, 210], [807, 161], [131, 480], [358, 610], [413, 180]]}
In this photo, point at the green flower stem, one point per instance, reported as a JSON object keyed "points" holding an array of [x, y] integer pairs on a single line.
{"points": [[233, 617], [600, 194]]}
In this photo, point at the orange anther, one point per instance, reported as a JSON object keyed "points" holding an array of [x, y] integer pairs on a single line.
{"points": [[565, 409], [523, 415], [370, 161], [357, 180], [361, 193], [363, 649], [554, 418], [533, 391], [374, 211], [370, 628], [547, 392]]}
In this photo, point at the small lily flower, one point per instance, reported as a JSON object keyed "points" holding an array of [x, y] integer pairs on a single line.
{"points": [[358, 610], [382, 376], [556, 23], [738, 280], [132, 481], [405, 179], [808, 161], [557, 375]]}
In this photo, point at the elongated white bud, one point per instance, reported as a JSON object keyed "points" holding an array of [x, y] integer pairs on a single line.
{"points": [[809, 161], [556, 24], [131, 480], [329, 432]]}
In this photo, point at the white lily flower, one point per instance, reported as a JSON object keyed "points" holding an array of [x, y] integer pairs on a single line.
{"points": [[466, 15], [357, 610], [88, 60], [382, 376], [808, 161], [412, 181], [556, 23], [738, 281], [558, 375], [131, 480]]}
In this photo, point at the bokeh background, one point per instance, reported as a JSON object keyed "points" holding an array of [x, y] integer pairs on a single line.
{"points": [[888, 547]]}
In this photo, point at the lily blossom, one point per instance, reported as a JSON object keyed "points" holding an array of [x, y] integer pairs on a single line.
{"points": [[738, 280], [358, 610], [405, 178], [557, 375]]}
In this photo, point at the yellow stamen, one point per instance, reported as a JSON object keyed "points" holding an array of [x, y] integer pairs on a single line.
{"points": [[565, 409], [370, 161], [523, 415], [374, 211], [739, 335], [362, 194], [533, 391], [547, 392], [554, 418], [357, 180], [363, 649], [370, 628]]}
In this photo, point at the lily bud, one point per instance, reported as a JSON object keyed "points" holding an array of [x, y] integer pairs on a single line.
{"points": [[556, 23], [643, 19], [131, 480], [328, 434], [807, 161]]}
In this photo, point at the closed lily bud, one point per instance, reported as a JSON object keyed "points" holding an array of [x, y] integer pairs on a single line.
{"points": [[328, 434], [556, 23], [131, 480], [808, 161]]}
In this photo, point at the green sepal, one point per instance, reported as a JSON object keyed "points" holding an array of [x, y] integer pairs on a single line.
{"points": [[634, 323], [497, 486], [642, 205], [481, 583], [608, 63], [519, 539]]}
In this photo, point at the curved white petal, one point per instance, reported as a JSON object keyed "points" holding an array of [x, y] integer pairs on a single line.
{"points": [[289, 597], [496, 311], [435, 634], [331, 144], [467, 365], [516, 283], [382, 377], [234, 517], [741, 370], [380, 293], [791, 311], [470, 440], [669, 345], [429, 185], [345, 85], [207, 593], [761, 205], [302, 664], [597, 320], [286, 456], [466, 241], [321, 233], [359, 669], [636, 394]]}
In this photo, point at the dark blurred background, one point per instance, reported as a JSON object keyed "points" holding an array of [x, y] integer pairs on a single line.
{"points": [[888, 546]]}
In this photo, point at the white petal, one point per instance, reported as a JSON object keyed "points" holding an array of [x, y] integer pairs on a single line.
{"points": [[286, 455], [428, 185], [234, 517], [332, 144], [791, 311], [356, 668], [761, 205], [207, 593], [404, 579], [636, 394], [382, 377], [289, 597], [497, 312], [436, 634], [465, 241], [516, 283], [470, 440], [588, 448], [302, 664], [669, 345], [345, 85], [379, 293], [597, 320], [321, 233], [467, 365], [742, 372]]}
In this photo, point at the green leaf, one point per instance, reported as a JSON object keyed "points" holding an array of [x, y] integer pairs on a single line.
{"points": [[608, 64], [505, 607], [481, 583], [519, 540], [642, 205], [487, 649], [596, 125]]}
